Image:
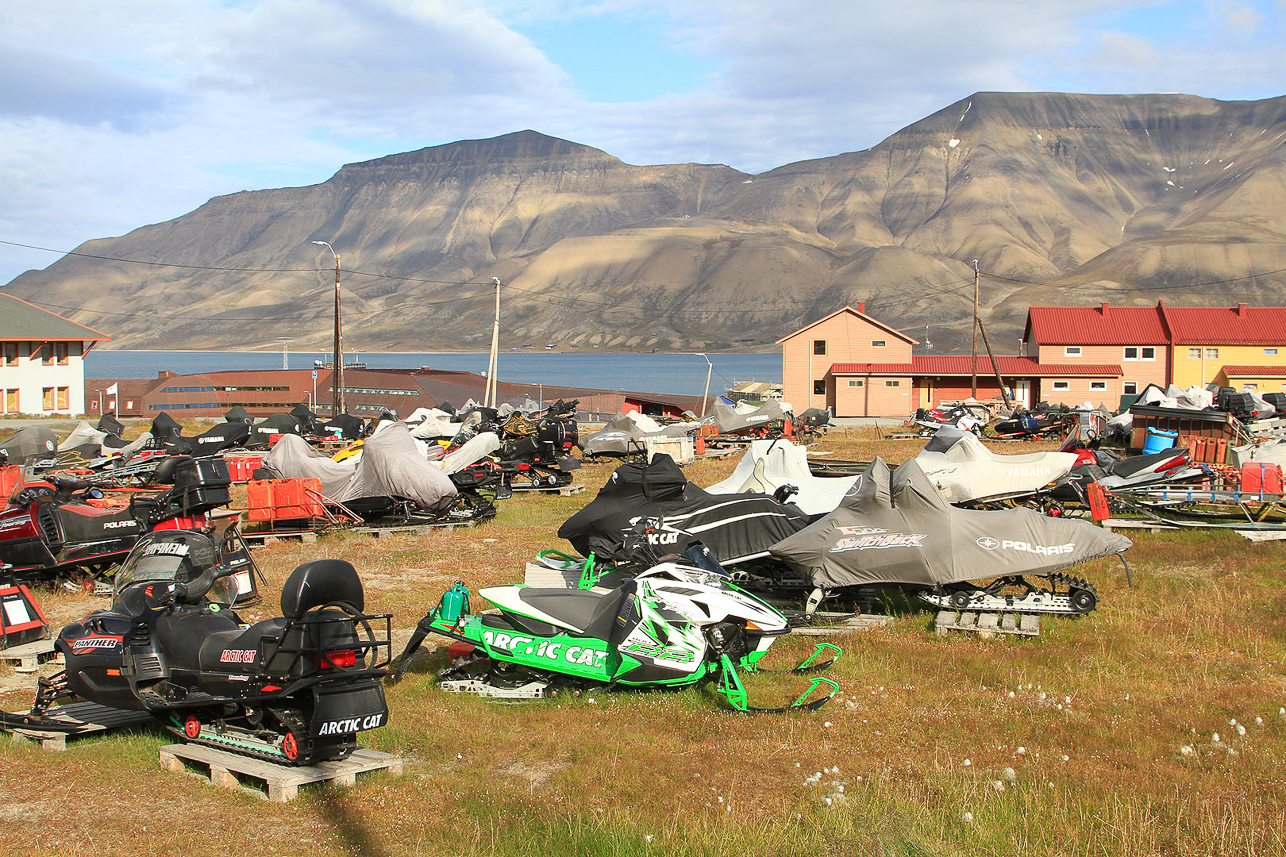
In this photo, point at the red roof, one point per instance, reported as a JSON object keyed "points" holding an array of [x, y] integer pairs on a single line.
{"points": [[1100, 325], [1261, 371], [1012, 367], [1158, 325], [1239, 325]]}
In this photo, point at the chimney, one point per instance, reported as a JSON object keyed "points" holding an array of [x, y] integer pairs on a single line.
{"points": [[861, 307], [163, 374], [1241, 309], [1102, 308]]}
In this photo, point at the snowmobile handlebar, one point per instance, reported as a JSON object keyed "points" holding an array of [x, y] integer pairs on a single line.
{"points": [[194, 590]]}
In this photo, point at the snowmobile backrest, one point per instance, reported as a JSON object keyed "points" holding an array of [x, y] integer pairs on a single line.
{"points": [[164, 472], [318, 582]]}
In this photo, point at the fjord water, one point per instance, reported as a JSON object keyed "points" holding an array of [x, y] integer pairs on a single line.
{"points": [[670, 374]]}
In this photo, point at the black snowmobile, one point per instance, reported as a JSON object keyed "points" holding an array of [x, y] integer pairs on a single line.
{"points": [[295, 689], [51, 525], [543, 445]]}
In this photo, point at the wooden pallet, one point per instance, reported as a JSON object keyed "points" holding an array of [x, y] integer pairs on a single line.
{"points": [[29, 656], [282, 782], [987, 624], [82, 718], [561, 490]]}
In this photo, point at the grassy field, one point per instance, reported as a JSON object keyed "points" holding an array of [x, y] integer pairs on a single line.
{"points": [[1154, 726]]}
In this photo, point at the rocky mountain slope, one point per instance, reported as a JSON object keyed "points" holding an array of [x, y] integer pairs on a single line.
{"points": [[1060, 199]]}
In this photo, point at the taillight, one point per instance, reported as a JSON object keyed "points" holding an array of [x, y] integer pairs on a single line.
{"points": [[1174, 463], [522, 465], [567, 444], [339, 659]]}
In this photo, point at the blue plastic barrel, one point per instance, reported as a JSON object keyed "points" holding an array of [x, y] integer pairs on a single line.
{"points": [[1158, 440]]}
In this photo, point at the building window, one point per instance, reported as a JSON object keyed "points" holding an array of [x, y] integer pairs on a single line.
{"points": [[819, 347], [1072, 351], [1140, 352], [11, 402], [1212, 353], [11, 354], [64, 398], [60, 353], [1194, 353], [47, 399], [46, 352], [893, 383], [852, 383], [1061, 385], [1130, 388], [1270, 352], [1254, 387], [1098, 385], [878, 343], [819, 388]]}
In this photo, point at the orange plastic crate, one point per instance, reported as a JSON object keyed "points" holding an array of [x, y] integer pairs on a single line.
{"points": [[283, 499]]}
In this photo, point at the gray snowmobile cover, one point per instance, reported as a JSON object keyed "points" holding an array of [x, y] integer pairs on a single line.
{"points": [[894, 527], [728, 421], [30, 443], [391, 466], [735, 527]]}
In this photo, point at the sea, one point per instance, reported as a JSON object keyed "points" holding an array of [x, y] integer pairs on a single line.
{"points": [[663, 373]]}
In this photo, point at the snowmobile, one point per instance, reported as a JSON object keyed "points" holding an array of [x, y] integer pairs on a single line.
{"points": [[676, 625], [895, 529], [1030, 425], [1114, 473], [51, 525], [543, 445], [295, 689], [965, 417]]}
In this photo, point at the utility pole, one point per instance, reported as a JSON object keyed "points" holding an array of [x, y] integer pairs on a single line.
{"points": [[974, 394], [337, 375], [995, 367], [491, 396]]}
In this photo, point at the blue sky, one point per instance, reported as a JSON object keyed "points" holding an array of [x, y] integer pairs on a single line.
{"points": [[117, 115]]}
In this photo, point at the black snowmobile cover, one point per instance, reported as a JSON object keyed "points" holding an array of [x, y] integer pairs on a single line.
{"points": [[164, 429], [736, 527], [30, 443], [307, 419], [346, 426], [261, 431], [212, 441], [111, 425], [238, 414], [894, 527]]}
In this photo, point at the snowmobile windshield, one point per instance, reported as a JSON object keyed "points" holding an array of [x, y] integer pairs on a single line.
{"points": [[174, 556]]}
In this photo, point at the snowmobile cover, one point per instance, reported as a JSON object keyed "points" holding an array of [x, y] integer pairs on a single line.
{"points": [[292, 457], [1270, 450], [814, 417], [895, 528], [730, 421], [472, 451], [30, 443], [964, 469], [391, 466], [430, 423], [346, 426], [767, 465], [624, 433], [212, 441], [306, 419], [111, 425], [85, 440], [238, 414], [735, 527], [261, 431], [164, 429]]}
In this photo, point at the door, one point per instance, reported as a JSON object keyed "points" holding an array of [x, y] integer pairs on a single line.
{"points": [[1022, 393]]}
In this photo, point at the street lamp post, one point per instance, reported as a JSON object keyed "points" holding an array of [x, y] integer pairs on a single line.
{"points": [[706, 395], [337, 376]]}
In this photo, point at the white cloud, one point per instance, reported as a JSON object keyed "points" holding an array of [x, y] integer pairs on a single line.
{"points": [[134, 111]]}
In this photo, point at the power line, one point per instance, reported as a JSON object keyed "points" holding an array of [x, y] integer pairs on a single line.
{"points": [[161, 264], [1134, 288]]}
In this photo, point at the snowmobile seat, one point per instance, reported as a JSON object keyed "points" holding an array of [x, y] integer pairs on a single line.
{"points": [[591, 613], [189, 637], [1136, 464], [319, 582]]}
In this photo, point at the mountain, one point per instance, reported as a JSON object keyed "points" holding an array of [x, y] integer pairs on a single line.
{"points": [[1061, 199]]}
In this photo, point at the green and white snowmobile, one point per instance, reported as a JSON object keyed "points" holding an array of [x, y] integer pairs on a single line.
{"points": [[675, 625]]}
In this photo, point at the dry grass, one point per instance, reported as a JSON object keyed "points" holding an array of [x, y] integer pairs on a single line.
{"points": [[1091, 717]]}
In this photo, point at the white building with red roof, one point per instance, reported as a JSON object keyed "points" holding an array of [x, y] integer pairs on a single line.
{"points": [[42, 359]]}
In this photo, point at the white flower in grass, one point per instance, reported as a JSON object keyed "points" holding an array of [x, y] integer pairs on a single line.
{"points": [[1241, 730], [1021, 751], [1259, 721], [967, 763], [998, 785], [1187, 750], [1009, 774], [968, 817], [1214, 739], [1232, 722], [648, 839], [1065, 757]]}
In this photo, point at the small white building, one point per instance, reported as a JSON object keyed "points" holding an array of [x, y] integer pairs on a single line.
{"points": [[42, 359]]}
